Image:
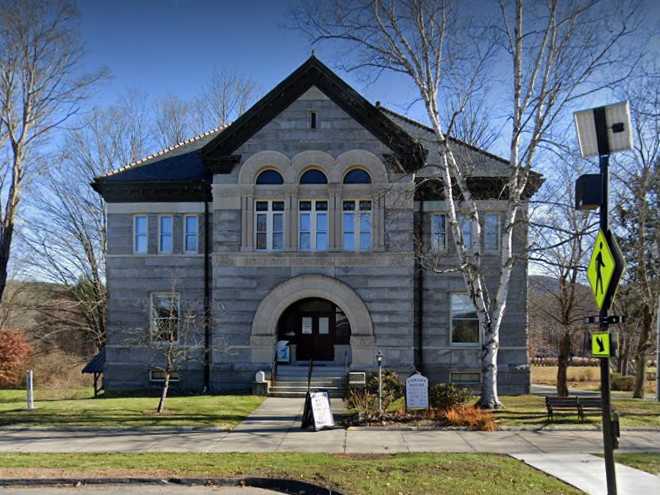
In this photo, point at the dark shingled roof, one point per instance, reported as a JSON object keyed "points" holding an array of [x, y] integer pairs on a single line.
{"points": [[96, 364]]}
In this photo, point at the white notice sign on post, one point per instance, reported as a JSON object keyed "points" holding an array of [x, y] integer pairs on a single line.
{"points": [[417, 392]]}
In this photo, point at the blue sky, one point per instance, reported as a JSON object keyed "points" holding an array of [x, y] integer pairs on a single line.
{"points": [[171, 46], [163, 47]]}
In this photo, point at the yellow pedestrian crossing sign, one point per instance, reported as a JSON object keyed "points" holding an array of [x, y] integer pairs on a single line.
{"points": [[605, 269], [600, 344]]}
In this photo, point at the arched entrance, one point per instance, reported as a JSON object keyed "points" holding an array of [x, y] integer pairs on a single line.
{"points": [[317, 329], [302, 287]]}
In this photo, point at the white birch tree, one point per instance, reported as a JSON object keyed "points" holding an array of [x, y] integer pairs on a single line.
{"points": [[556, 52]]}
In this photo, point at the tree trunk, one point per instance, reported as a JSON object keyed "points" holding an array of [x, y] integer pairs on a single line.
{"points": [[640, 354], [562, 364], [163, 393], [5, 246], [489, 397]]}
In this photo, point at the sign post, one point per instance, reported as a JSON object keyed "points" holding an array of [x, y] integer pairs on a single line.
{"points": [[601, 131]]}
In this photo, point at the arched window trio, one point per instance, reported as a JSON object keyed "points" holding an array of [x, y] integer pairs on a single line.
{"points": [[312, 220], [271, 177]]}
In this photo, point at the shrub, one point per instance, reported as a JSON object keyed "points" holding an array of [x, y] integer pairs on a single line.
{"points": [[392, 387], [362, 401], [446, 396], [622, 383], [471, 418], [585, 374], [15, 354]]}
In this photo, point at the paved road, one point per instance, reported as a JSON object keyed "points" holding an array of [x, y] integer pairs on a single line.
{"points": [[275, 427], [135, 489]]}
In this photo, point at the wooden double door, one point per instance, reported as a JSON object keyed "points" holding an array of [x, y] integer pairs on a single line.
{"points": [[315, 336]]}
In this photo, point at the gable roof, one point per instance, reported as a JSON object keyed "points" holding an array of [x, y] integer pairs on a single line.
{"points": [[482, 162], [312, 73]]}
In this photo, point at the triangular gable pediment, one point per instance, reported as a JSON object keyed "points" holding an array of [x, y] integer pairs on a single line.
{"points": [[308, 81]]}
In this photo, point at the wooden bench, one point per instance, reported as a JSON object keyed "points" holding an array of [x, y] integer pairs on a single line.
{"points": [[555, 404], [583, 406], [589, 406]]}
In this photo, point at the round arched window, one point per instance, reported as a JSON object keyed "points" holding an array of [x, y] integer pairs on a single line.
{"points": [[313, 177], [357, 176], [270, 178]]}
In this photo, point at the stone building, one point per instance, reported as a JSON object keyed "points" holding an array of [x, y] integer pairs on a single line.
{"points": [[300, 222]]}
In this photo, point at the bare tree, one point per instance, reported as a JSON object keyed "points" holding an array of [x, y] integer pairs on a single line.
{"points": [[173, 119], [40, 55], [225, 97], [561, 236], [67, 236], [637, 218], [558, 51]]}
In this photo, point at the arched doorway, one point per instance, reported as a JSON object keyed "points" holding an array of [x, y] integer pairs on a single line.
{"points": [[316, 329], [270, 309]]}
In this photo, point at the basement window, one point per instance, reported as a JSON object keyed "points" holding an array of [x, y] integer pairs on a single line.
{"points": [[158, 375], [465, 377]]}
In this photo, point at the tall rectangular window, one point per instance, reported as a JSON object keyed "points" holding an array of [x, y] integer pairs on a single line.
{"points": [[438, 233], [492, 232], [357, 225], [313, 226], [466, 230], [464, 321], [269, 221], [165, 317], [140, 234], [165, 234], [191, 233]]}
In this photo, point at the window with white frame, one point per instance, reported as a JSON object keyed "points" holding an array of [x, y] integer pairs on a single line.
{"points": [[439, 232], [140, 234], [269, 224], [464, 321], [165, 317], [165, 234], [191, 233], [491, 232], [357, 225], [313, 225], [466, 230]]}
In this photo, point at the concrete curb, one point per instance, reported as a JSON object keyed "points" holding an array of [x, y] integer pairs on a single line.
{"points": [[280, 485]]}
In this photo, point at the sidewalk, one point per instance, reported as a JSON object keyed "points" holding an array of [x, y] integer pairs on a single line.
{"points": [[587, 472], [275, 427]]}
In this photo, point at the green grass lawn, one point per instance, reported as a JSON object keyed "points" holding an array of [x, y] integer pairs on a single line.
{"points": [[76, 408], [646, 461], [412, 474], [529, 410]]}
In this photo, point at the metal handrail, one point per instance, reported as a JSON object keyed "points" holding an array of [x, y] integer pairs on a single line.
{"points": [[309, 374], [273, 368]]}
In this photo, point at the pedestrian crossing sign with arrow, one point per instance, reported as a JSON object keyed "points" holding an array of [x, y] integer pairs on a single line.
{"points": [[600, 344], [605, 269]]}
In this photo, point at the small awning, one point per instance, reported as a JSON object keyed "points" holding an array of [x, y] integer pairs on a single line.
{"points": [[96, 364]]}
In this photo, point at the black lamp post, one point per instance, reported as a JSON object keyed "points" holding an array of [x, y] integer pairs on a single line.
{"points": [[379, 359]]}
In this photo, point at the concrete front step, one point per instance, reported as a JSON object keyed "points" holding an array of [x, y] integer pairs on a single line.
{"points": [[335, 394], [339, 382]]}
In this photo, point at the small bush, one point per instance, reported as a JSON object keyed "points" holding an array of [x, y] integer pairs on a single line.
{"points": [[622, 383], [472, 418], [362, 401], [445, 396], [15, 355], [392, 387]]}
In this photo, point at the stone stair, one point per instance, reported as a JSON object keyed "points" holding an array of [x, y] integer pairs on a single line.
{"points": [[291, 381]]}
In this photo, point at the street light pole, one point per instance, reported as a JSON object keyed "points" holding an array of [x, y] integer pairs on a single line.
{"points": [[608, 434]]}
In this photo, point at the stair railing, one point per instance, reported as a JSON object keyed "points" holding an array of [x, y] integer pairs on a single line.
{"points": [[310, 366], [346, 369], [273, 369]]}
